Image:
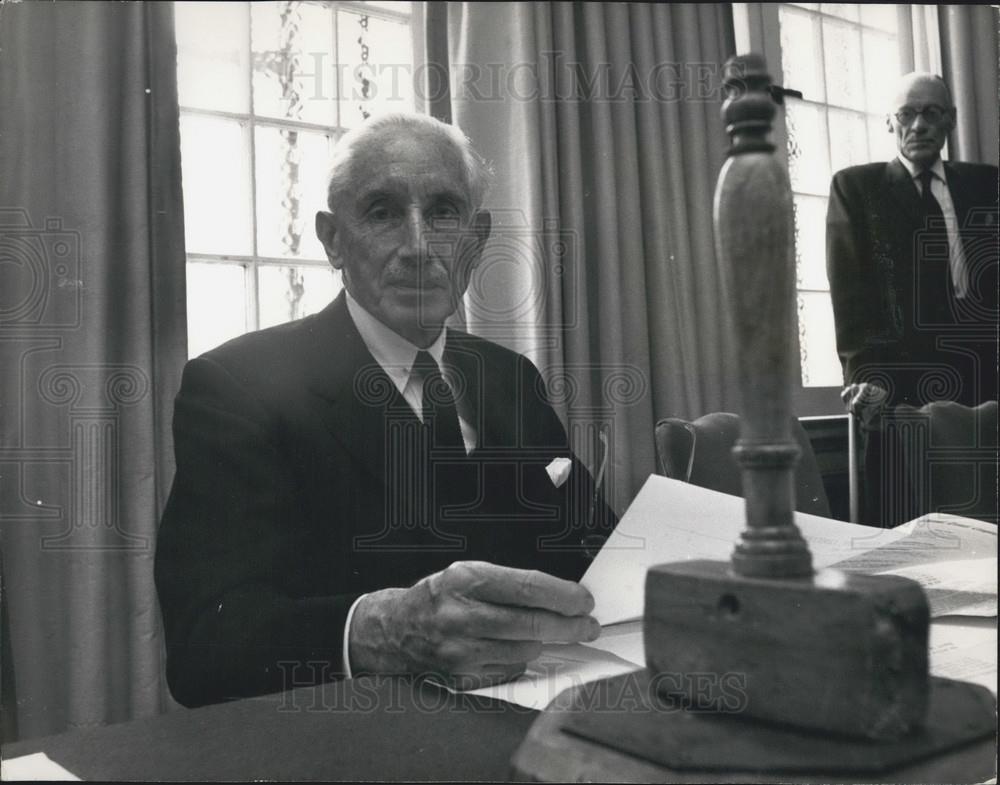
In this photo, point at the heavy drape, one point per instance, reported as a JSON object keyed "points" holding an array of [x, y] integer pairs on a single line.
{"points": [[92, 340], [969, 54], [919, 48], [602, 122]]}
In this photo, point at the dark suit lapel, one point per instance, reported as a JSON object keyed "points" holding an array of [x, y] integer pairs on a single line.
{"points": [[904, 197], [974, 231], [481, 380], [359, 400], [961, 194], [961, 199], [465, 366]]}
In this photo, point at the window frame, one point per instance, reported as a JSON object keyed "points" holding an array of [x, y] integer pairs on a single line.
{"points": [[757, 29], [249, 122]]}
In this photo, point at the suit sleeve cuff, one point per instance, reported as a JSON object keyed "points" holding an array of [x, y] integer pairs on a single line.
{"points": [[346, 651]]}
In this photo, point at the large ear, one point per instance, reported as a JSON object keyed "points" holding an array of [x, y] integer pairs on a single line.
{"points": [[326, 231], [952, 115]]}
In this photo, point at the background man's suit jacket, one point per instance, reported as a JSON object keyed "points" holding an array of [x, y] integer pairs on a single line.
{"points": [[301, 484], [897, 320]]}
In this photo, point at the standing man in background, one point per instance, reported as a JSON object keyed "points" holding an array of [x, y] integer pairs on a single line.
{"points": [[912, 263], [911, 254]]}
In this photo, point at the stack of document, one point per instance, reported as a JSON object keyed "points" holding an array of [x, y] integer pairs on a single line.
{"points": [[953, 558]]}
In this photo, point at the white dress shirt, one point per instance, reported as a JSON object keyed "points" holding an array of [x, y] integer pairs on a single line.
{"points": [[939, 189], [396, 355]]}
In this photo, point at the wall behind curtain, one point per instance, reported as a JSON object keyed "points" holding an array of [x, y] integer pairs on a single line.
{"points": [[92, 341], [602, 121]]}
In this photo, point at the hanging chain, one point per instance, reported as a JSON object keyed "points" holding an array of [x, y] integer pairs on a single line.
{"points": [[363, 69], [289, 69]]}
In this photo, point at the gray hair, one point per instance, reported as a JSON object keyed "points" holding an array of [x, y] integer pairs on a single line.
{"points": [[478, 172]]}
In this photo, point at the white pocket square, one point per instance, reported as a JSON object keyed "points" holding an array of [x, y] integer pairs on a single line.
{"points": [[559, 470]]}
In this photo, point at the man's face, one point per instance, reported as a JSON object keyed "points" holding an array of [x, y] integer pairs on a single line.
{"points": [[404, 232], [921, 139]]}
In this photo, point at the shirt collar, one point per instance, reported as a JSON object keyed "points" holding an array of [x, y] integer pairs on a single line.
{"points": [[391, 350], [937, 168]]}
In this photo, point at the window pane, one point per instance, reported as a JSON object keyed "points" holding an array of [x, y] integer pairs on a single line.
{"points": [[386, 48], [845, 58], [882, 15], [843, 10], [393, 5], [215, 166], [292, 168], [810, 242], [883, 69], [291, 292], [842, 58], [848, 139], [808, 164], [213, 43], [880, 141], [801, 48], [818, 341], [216, 304], [293, 62]]}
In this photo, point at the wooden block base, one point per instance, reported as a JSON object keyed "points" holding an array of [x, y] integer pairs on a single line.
{"points": [[619, 730], [834, 651]]}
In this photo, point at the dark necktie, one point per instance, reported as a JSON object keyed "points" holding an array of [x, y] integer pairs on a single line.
{"points": [[931, 207], [439, 412]]}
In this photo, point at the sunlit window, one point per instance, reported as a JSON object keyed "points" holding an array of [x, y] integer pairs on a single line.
{"points": [[845, 60], [266, 89]]}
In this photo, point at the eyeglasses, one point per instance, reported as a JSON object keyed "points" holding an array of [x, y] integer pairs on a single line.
{"points": [[932, 113]]}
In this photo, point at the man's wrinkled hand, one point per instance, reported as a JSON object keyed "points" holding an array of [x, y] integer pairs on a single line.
{"points": [[473, 624], [862, 397]]}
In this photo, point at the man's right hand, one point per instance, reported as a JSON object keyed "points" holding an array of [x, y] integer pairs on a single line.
{"points": [[474, 623], [863, 397]]}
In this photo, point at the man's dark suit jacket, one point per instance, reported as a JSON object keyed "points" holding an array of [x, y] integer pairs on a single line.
{"points": [[897, 321], [302, 483]]}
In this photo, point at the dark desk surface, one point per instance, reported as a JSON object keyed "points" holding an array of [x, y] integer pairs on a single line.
{"points": [[359, 730], [364, 729]]}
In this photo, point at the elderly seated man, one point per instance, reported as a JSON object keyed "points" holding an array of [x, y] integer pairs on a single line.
{"points": [[366, 490]]}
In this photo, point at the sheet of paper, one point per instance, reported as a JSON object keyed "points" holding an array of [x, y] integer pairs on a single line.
{"points": [[561, 666], [671, 520], [37, 766], [929, 539], [965, 649], [622, 640], [956, 588]]}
